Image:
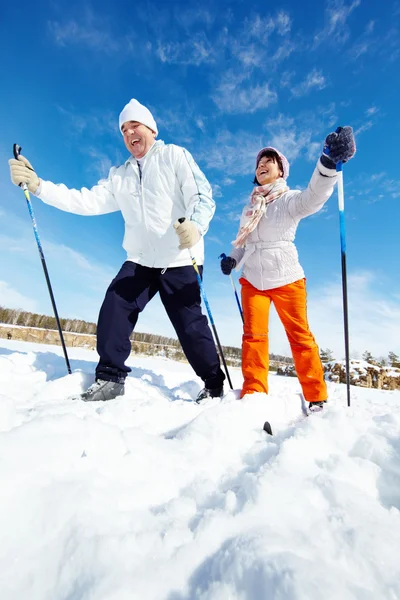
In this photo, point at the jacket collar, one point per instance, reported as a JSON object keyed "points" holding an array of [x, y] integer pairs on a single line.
{"points": [[157, 144]]}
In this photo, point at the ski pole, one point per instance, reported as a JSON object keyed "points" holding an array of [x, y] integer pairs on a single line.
{"points": [[344, 270], [344, 276], [194, 263], [17, 151], [223, 255]]}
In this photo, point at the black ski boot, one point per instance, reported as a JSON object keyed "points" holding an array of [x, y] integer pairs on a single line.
{"points": [[316, 406], [102, 390], [210, 393]]}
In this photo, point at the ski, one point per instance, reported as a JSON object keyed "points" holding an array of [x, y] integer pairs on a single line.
{"points": [[267, 428], [306, 411]]}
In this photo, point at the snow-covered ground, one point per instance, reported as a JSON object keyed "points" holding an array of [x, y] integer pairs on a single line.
{"points": [[153, 497]]}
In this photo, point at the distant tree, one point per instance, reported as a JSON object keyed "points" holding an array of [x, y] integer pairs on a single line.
{"points": [[21, 318], [326, 355], [367, 356], [394, 360]]}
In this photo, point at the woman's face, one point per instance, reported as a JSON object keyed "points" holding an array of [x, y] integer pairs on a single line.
{"points": [[268, 170]]}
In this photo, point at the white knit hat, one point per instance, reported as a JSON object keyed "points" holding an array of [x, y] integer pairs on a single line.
{"points": [[134, 111], [284, 160]]}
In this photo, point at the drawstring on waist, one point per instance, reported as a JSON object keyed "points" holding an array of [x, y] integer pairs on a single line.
{"points": [[253, 246]]}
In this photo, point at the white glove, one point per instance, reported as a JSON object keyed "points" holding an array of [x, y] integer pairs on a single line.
{"points": [[188, 234], [21, 171]]}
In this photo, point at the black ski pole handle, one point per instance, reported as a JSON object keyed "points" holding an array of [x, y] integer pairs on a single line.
{"points": [[182, 220], [16, 150]]}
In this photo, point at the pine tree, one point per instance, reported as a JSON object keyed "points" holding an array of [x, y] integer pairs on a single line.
{"points": [[326, 355], [367, 356], [394, 360]]}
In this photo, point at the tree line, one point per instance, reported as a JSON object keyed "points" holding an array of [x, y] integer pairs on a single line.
{"points": [[12, 316], [391, 360]]}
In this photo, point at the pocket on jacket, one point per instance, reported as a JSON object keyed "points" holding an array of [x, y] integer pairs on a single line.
{"points": [[270, 264]]}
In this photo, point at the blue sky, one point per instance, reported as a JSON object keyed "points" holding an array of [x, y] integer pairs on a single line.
{"points": [[222, 79]]}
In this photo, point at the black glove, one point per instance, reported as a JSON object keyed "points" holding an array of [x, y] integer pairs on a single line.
{"points": [[227, 264], [339, 146]]}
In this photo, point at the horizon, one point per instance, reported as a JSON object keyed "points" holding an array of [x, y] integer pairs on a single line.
{"points": [[322, 351]]}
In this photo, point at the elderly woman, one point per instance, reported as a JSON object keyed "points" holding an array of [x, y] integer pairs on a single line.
{"points": [[271, 270]]}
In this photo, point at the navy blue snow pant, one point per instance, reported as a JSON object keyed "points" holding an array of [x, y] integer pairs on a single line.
{"points": [[130, 291]]}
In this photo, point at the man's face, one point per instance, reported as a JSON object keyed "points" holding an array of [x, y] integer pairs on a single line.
{"points": [[137, 138]]}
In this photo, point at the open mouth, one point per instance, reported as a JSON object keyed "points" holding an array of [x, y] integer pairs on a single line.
{"points": [[135, 141]]}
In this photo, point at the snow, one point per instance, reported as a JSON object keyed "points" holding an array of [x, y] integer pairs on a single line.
{"points": [[153, 497]]}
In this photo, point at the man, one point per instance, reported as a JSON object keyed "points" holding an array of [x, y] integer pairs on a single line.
{"points": [[158, 184]]}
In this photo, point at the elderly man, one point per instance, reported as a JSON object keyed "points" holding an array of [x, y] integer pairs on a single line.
{"points": [[156, 186]]}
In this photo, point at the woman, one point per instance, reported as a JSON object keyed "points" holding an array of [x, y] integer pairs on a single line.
{"points": [[271, 270]]}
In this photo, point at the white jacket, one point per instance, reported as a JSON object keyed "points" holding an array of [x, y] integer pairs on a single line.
{"points": [[169, 186], [270, 258]]}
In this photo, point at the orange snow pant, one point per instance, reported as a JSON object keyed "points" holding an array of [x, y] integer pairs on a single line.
{"points": [[290, 302]]}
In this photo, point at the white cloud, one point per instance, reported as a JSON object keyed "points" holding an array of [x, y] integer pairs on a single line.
{"points": [[286, 78], [193, 17], [259, 28], [233, 95], [11, 298], [200, 123], [101, 163], [89, 31], [248, 54], [336, 15], [216, 189], [359, 49], [234, 154], [374, 315], [283, 23], [378, 176], [95, 123], [280, 122], [253, 45], [363, 128], [181, 121], [284, 51], [290, 143], [286, 136], [79, 285], [196, 50], [314, 150], [370, 27], [314, 80]]}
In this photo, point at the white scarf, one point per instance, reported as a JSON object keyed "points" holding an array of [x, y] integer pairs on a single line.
{"points": [[260, 197]]}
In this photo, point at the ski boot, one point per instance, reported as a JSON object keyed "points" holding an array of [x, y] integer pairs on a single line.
{"points": [[316, 406], [102, 390], [210, 393]]}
